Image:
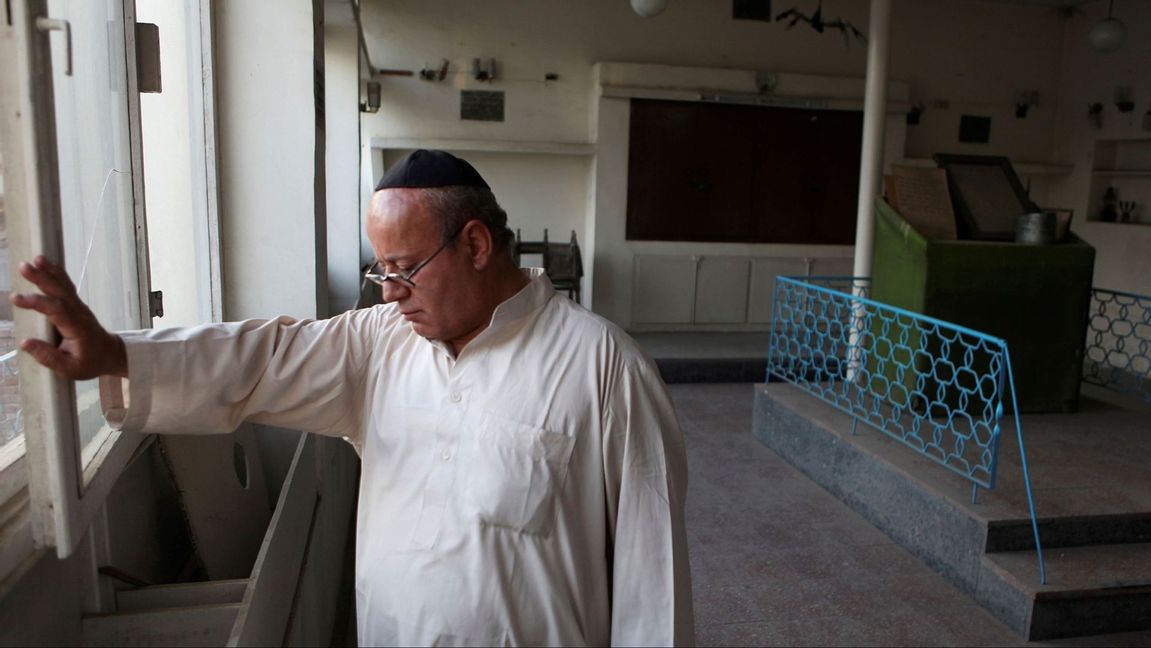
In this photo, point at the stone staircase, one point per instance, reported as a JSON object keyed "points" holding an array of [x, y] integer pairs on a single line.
{"points": [[187, 614], [1098, 563]]}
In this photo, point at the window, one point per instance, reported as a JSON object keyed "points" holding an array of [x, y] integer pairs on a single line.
{"points": [[11, 421], [73, 189], [13, 475]]}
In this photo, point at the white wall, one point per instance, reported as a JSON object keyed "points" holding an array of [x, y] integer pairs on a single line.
{"points": [[976, 56], [342, 165], [1122, 252], [265, 99], [954, 56]]}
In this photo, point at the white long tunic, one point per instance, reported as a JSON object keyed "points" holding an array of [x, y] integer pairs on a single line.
{"points": [[529, 491]]}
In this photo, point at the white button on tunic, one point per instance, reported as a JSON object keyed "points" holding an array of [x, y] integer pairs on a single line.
{"points": [[554, 514]]}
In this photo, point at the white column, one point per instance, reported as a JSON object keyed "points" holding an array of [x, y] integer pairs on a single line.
{"points": [[874, 116], [870, 167]]}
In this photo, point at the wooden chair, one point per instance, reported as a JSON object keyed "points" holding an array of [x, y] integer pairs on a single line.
{"points": [[561, 261]]}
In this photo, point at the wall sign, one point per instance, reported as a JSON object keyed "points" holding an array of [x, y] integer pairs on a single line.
{"points": [[482, 105], [974, 129]]}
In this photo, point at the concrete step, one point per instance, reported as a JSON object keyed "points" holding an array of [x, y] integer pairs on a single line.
{"points": [[1071, 531], [712, 370], [181, 595], [1099, 567], [1089, 590], [202, 625]]}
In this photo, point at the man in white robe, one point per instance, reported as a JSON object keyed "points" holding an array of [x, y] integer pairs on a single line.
{"points": [[523, 472]]}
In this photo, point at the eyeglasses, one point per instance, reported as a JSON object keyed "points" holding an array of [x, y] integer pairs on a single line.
{"points": [[377, 275]]}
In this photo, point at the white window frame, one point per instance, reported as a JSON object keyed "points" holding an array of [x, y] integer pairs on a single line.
{"points": [[205, 181], [60, 502]]}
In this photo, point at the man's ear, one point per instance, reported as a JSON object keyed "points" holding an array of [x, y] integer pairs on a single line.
{"points": [[479, 243]]}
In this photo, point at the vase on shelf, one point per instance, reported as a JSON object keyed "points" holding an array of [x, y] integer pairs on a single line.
{"points": [[1109, 213]]}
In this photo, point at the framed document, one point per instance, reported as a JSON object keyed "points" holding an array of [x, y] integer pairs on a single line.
{"points": [[920, 195], [986, 194]]}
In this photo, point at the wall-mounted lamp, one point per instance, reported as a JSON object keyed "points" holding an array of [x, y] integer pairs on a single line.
{"points": [[371, 101], [1123, 101], [648, 8], [485, 70], [1095, 116], [435, 74], [1025, 101], [1107, 34]]}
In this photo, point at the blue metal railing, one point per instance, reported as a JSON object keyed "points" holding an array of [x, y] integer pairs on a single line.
{"points": [[1117, 355], [936, 387]]}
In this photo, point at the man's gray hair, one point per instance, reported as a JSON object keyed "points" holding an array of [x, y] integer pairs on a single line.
{"points": [[455, 206]]}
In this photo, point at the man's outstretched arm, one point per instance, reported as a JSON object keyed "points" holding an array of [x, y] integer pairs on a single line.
{"points": [[86, 349]]}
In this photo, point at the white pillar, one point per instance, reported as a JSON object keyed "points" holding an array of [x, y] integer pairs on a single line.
{"points": [[874, 117], [870, 167]]}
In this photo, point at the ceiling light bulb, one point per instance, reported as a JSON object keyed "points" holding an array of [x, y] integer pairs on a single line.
{"points": [[648, 8], [1107, 35]]}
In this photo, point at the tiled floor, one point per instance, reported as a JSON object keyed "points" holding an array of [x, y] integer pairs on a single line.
{"points": [[776, 560]]}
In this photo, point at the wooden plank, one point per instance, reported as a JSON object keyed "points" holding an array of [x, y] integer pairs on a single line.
{"points": [[267, 604], [204, 625], [178, 595]]}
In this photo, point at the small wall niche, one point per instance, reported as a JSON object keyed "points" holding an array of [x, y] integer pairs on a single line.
{"points": [[1125, 166]]}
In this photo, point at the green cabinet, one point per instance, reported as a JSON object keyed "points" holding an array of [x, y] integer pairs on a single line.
{"points": [[1034, 297]]}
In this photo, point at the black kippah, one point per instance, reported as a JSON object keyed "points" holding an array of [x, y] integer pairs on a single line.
{"points": [[425, 168]]}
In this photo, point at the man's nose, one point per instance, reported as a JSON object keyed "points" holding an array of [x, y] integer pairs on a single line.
{"points": [[393, 291]]}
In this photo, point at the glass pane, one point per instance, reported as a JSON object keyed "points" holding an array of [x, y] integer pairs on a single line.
{"points": [[11, 424], [95, 177]]}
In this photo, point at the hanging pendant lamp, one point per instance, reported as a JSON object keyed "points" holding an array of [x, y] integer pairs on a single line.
{"points": [[1107, 34], [648, 8]]}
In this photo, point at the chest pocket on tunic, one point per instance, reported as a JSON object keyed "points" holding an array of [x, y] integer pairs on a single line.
{"points": [[515, 472]]}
